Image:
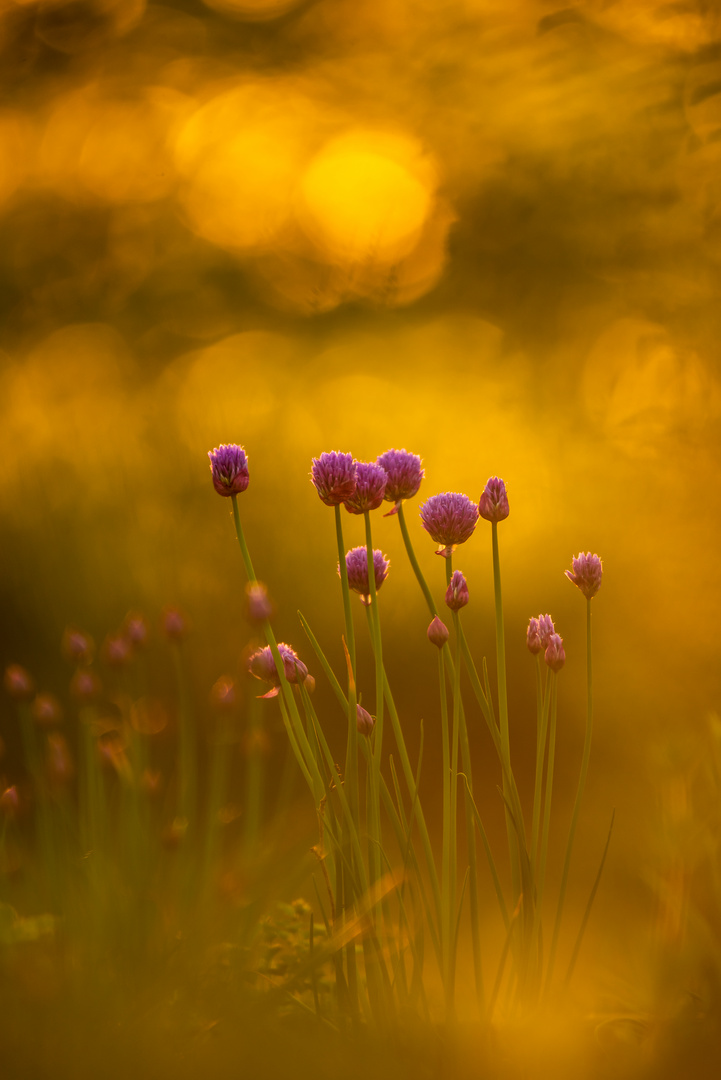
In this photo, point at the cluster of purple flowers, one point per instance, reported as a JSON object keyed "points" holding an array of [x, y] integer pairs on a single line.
{"points": [[541, 636], [450, 518], [363, 485]]}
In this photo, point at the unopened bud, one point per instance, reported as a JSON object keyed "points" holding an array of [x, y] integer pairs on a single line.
{"points": [[364, 721], [46, 710], [259, 605], [457, 591], [438, 633], [533, 637], [555, 655], [174, 624], [18, 683], [77, 646], [85, 686]]}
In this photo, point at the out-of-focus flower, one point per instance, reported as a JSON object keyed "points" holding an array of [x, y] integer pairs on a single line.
{"points": [[545, 629], [135, 629], [457, 591], [174, 623], [370, 488], [117, 650], [18, 683], [259, 605], [334, 476], [47, 710], [364, 721], [77, 646], [9, 801], [437, 633], [404, 473], [58, 760], [586, 574], [450, 518], [262, 665], [309, 684], [85, 686], [555, 656], [356, 563], [493, 505], [223, 694], [533, 636], [229, 466]]}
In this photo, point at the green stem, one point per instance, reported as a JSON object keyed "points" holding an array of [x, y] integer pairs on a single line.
{"points": [[503, 707], [541, 739], [374, 817], [579, 796], [347, 612]]}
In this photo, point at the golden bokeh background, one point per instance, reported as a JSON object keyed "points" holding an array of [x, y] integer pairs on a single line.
{"points": [[489, 233]]}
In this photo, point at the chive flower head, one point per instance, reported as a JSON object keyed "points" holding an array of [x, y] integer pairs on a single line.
{"points": [[18, 683], [259, 604], [364, 721], [555, 656], [533, 636], [136, 629], [46, 710], [586, 574], [77, 646], [493, 505], [437, 633], [334, 477], [262, 665], [404, 476], [356, 564], [229, 467], [370, 488], [450, 518], [545, 629], [457, 591]]}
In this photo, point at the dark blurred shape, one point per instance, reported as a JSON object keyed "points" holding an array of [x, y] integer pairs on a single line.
{"points": [[74, 26], [85, 685], [18, 683], [77, 646]]}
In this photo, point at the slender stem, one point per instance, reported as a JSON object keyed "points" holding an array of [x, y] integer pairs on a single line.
{"points": [[414, 561], [541, 740], [347, 612], [374, 775], [579, 796], [446, 904], [503, 706], [550, 702]]}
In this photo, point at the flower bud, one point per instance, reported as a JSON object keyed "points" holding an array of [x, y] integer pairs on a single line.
{"points": [[533, 637], [309, 684], [117, 650], [9, 801], [46, 710], [229, 467], [555, 656], [18, 683], [85, 686], [493, 505], [438, 633], [259, 605], [364, 721], [587, 573], [174, 623], [58, 760], [77, 646], [135, 629], [545, 629], [457, 592]]}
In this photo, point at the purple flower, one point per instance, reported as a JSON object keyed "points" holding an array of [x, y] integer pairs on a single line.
{"points": [[587, 573], [117, 650], [85, 686], [262, 665], [533, 636], [229, 466], [135, 629], [77, 646], [404, 476], [259, 605], [437, 633], [356, 563], [334, 477], [457, 592], [18, 683], [450, 518], [47, 710], [370, 488], [545, 629], [494, 500], [364, 721], [174, 623], [555, 656]]}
